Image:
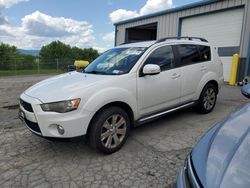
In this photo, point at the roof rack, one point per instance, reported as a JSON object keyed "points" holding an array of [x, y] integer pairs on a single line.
{"points": [[179, 38]]}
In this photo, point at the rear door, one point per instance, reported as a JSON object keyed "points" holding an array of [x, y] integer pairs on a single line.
{"points": [[193, 66]]}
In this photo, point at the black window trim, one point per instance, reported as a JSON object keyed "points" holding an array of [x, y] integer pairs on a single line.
{"points": [[200, 53], [178, 59]]}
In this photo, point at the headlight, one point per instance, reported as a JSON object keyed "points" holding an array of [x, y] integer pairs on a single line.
{"points": [[62, 106]]}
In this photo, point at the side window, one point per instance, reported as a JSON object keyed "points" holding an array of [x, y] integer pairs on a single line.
{"points": [[162, 56], [205, 53], [189, 54]]}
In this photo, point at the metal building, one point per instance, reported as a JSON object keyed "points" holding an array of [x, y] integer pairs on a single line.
{"points": [[224, 23]]}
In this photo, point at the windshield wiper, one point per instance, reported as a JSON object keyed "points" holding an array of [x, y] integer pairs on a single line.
{"points": [[95, 72]]}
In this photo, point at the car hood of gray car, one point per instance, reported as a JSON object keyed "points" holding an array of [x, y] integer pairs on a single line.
{"points": [[222, 157]]}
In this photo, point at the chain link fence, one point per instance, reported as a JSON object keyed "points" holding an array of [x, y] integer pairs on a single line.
{"points": [[19, 66]]}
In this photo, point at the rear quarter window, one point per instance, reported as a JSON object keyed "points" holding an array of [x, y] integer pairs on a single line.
{"points": [[205, 53]]}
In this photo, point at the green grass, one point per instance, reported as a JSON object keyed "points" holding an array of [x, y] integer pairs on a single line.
{"points": [[28, 72]]}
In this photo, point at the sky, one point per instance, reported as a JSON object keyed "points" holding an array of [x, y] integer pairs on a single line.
{"points": [[30, 24]]}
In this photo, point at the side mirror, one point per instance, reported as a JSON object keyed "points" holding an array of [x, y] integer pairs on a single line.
{"points": [[246, 90], [151, 69]]}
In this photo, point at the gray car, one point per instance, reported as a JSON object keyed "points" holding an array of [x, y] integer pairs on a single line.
{"points": [[222, 156]]}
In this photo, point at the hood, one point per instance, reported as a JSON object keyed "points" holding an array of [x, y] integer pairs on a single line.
{"points": [[222, 157], [64, 86]]}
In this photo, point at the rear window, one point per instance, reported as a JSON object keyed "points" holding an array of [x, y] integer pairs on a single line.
{"points": [[191, 54]]}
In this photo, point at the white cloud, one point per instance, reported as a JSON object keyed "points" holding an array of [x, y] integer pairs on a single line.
{"points": [[155, 6], [122, 14], [4, 4], [100, 49], [38, 29], [151, 6], [41, 24], [9, 3], [109, 37]]}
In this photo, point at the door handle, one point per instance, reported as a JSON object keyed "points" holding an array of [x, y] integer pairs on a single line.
{"points": [[203, 68], [175, 75]]}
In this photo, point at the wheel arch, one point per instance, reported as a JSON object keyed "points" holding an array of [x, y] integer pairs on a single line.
{"points": [[120, 104], [210, 77], [215, 83]]}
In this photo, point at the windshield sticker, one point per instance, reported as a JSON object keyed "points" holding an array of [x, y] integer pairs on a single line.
{"points": [[105, 65], [116, 71], [134, 52]]}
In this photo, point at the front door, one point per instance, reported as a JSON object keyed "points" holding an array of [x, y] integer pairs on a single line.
{"points": [[161, 91]]}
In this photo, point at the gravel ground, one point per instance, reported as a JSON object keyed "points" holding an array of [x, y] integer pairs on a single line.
{"points": [[150, 158]]}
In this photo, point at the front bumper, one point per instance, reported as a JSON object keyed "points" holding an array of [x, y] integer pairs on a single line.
{"points": [[32, 126], [186, 177], [45, 124], [182, 181]]}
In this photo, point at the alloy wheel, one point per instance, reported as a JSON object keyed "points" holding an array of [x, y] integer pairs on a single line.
{"points": [[113, 131], [209, 99]]}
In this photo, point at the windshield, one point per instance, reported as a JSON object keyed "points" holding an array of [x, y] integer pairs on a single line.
{"points": [[115, 61]]}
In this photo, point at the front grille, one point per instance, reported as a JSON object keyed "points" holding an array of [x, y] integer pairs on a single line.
{"points": [[33, 126], [26, 106]]}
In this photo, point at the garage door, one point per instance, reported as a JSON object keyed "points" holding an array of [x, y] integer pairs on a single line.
{"points": [[221, 29]]}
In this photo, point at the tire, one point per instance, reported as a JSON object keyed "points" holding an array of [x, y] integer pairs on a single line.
{"points": [[109, 130], [207, 100]]}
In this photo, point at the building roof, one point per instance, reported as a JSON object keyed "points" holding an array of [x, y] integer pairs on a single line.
{"points": [[137, 44], [176, 9]]}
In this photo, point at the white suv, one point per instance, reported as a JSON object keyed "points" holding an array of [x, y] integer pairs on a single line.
{"points": [[126, 86]]}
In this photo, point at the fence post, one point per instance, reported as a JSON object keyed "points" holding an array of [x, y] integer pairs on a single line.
{"points": [[15, 67], [57, 65], [38, 66]]}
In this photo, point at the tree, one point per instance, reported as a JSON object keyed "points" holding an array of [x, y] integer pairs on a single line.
{"points": [[90, 54], [25, 62], [7, 54], [10, 59], [76, 53], [57, 51]]}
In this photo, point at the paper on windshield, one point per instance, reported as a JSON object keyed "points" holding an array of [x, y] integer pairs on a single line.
{"points": [[134, 51]]}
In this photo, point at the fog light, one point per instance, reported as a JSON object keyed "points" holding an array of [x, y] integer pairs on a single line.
{"points": [[60, 129]]}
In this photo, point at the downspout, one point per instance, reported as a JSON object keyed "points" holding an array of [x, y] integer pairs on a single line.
{"points": [[115, 35]]}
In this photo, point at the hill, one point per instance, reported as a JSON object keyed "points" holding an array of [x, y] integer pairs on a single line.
{"points": [[29, 52]]}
